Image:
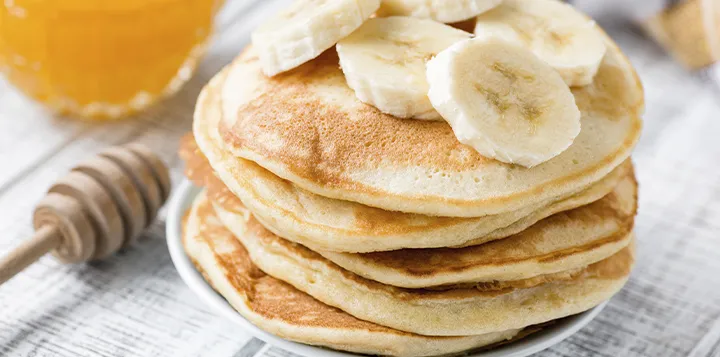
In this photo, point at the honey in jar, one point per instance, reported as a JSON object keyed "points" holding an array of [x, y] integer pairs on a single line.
{"points": [[102, 58]]}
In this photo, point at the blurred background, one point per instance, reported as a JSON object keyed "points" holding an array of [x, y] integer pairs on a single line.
{"points": [[82, 75]]}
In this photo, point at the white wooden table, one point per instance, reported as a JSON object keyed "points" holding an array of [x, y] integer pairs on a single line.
{"points": [[136, 305]]}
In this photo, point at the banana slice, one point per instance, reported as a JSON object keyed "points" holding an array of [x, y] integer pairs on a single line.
{"points": [[439, 10], [384, 63], [307, 28], [503, 101], [567, 40]]}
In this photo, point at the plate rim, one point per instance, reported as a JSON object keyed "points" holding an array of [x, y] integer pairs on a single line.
{"points": [[181, 200]]}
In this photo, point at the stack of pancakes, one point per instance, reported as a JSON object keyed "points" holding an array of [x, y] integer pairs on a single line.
{"points": [[327, 222]]}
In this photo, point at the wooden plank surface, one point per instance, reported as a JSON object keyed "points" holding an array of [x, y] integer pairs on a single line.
{"points": [[136, 305]]}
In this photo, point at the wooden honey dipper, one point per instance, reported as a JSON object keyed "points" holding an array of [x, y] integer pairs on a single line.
{"points": [[101, 206]]}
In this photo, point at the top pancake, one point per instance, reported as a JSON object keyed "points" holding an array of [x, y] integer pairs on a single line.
{"points": [[308, 127], [324, 223]]}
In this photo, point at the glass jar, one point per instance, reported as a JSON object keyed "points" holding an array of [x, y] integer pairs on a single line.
{"points": [[102, 58]]}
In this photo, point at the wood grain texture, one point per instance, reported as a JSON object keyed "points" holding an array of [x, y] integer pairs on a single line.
{"points": [[134, 304]]}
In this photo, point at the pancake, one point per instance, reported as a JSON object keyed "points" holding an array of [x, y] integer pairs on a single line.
{"points": [[329, 224], [280, 309], [307, 126], [568, 240], [453, 312], [563, 242]]}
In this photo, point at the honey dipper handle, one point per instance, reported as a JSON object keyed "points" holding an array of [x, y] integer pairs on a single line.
{"points": [[45, 239]]}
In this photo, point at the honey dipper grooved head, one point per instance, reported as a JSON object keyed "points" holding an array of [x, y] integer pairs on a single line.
{"points": [[123, 191], [100, 208], [105, 202]]}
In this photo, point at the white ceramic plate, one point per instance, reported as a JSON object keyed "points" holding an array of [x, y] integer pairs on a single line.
{"points": [[181, 201]]}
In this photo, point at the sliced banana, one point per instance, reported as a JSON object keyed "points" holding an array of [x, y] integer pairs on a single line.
{"points": [[503, 101], [384, 63], [307, 28], [439, 10], [558, 34]]}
